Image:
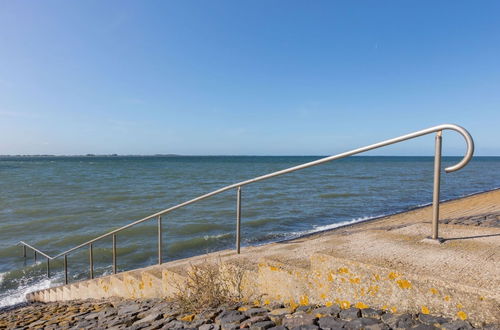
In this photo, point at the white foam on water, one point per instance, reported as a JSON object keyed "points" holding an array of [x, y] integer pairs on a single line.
{"points": [[316, 229], [339, 224], [18, 295], [208, 237]]}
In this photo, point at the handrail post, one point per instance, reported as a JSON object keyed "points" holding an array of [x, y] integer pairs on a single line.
{"points": [[114, 254], [35, 255], [24, 251], [91, 261], [238, 220], [159, 241], [65, 269], [48, 268], [437, 183]]}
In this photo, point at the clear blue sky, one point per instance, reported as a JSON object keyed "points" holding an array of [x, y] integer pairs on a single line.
{"points": [[246, 77]]}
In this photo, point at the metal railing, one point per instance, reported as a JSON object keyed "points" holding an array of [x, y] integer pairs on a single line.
{"points": [[437, 174]]}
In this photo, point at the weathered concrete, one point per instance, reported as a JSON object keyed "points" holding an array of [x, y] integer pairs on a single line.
{"points": [[384, 263]]}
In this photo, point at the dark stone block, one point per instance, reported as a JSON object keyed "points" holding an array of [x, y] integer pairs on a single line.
{"points": [[330, 322], [331, 311], [350, 314], [424, 327], [306, 327], [456, 325], [298, 319], [262, 325], [230, 316], [255, 312], [306, 309], [372, 313], [431, 319], [361, 323]]}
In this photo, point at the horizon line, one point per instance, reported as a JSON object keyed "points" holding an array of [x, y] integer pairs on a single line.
{"points": [[90, 155]]}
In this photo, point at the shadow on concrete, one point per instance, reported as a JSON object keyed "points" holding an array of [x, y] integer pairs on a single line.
{"points": [[469, 237]]}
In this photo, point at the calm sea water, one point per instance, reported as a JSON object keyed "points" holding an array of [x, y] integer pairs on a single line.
{"points": [[57, 203]]}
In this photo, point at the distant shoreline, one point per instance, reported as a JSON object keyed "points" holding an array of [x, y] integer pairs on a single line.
{"points": [[179, 155]]}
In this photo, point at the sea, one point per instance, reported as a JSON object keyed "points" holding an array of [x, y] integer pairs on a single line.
{"points": [[56, 203]]}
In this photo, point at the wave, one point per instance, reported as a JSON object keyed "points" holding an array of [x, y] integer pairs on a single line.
{"points": [[317, 229], [259, 222], [339, 195], [196, 228], [198, 243], [18, 295]]}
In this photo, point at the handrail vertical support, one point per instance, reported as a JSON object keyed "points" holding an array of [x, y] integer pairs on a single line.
{"points": [[91, 261], [24, 251], [437, 184], [35, 255], [48, 268], [238, 220], [114, 254], [159, 240], [65, 269]]}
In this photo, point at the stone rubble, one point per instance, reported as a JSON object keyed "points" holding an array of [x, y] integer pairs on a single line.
{"points": [[481, 220], [158, 314]]}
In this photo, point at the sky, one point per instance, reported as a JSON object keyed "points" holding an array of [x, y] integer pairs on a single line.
{"points": [[246, 77]]}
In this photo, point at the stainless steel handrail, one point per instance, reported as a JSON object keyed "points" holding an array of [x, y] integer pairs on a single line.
{"points": [[437, 168]]}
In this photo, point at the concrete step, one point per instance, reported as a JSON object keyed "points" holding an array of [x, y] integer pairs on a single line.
{"points": [[283, 278], [153, 284], [349, 282]]}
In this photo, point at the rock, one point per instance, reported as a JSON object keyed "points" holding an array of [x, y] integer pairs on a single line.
{"points": [[275, 305], [92, 316], [363, 323], [130, 309], [207, 315], [277, 315], [424, 327], [118, 320], [255, 311], [350, 314], [262, 325], [209, 327], [247, 323], [298, 319], [333, 310], [399, 321], [198, 322], [229, 326], [432, 320], [150, 318], [174, 324], [306, 327], [230, 317], [456, 325], [331, 322], [305, 308], [155, 325], [37, 324], [372, 313], [279, 327]]}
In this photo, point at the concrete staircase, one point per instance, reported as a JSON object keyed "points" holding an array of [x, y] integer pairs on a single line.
{"points": [[382, 264]]}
